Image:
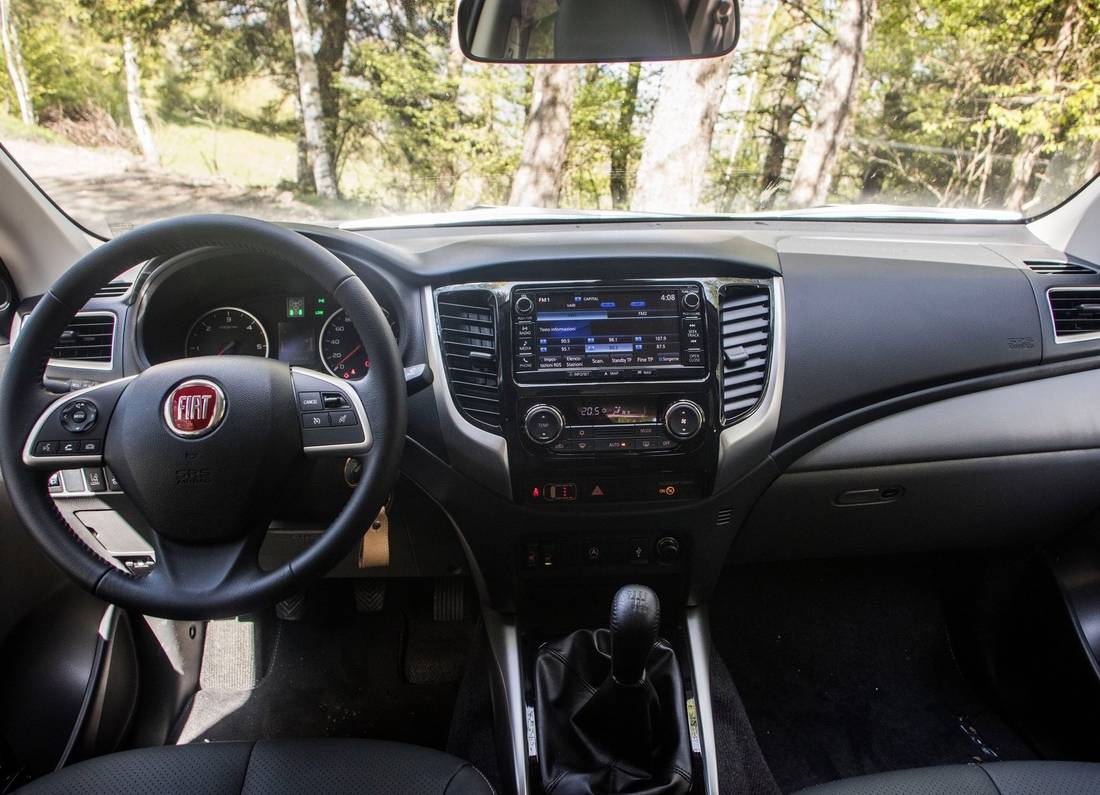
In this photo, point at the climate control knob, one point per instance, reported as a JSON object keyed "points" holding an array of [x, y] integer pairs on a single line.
{"points": [[684, 419], [543, 424]]}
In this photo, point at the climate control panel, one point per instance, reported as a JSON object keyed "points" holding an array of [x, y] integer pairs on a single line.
{"points": [[617, 424]]}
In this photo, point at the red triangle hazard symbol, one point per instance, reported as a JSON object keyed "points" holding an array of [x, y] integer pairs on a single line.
{"points": [[597, 492]]}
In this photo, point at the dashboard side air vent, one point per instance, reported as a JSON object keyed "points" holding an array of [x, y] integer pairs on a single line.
{"points": [[113, 290], [88, 338], [467, 330], [1051, 267], [1076, 312], [746, 337]]}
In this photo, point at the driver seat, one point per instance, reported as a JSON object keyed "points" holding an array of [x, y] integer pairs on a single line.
{"points": [[323, 766]]}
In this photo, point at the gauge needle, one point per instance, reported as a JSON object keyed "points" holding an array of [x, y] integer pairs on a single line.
{"points": [[228, 348], [351, 353]]}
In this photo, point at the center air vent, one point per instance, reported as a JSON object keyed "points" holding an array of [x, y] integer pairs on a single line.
{"points": [[467, 329], [746, 338], [1051, 267], [1076, 312], [88, 338]]}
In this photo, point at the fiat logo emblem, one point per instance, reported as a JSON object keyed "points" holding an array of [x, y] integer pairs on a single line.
{"points": [[194, 408]]}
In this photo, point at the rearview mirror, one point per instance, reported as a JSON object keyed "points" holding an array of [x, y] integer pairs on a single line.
{"points": [[596, 31]]}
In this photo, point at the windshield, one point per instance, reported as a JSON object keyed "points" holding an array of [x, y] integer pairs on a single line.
{"points": [[331, 110]]}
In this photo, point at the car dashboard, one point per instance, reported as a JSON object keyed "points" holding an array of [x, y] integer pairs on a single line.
{"points": [[654, 399]]}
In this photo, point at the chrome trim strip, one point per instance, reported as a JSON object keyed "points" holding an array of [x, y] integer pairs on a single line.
{"points": [[508, 678], [748, 442], [482, 454], [698, 632], [64, 461], [76, 364], [1066, 338], [353, 448]]}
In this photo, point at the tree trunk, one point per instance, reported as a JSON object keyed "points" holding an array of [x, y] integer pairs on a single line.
{"points": [[313, 116], [620, 156], [836, 101], [779, 132], [1027, 158], [9, 32], [333, 24], [305, 167], [674, 161], [538, 180], [134, 102]]}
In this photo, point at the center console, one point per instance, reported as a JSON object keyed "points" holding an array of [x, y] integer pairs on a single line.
{"points": [[613, 391]]}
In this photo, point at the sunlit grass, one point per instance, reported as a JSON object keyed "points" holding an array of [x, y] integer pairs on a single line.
{"points": [[241, 157]]}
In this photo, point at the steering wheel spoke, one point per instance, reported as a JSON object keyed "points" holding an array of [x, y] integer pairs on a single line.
{"points": [[333, 416], [71, 431]]}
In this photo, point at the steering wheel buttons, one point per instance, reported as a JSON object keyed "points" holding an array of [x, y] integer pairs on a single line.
{"points": [[342, 418], [46, 448], [79, 416], [91, 447], [310, 401], [316, 420]]}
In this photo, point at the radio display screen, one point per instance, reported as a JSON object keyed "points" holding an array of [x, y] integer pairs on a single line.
{"points": [[603, 332]]}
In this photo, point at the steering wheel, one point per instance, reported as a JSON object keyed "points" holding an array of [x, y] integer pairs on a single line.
{"points": [[202, 446]]}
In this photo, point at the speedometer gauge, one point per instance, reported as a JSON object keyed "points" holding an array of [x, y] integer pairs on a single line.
{"points": [[227, 330], [342, 348]]}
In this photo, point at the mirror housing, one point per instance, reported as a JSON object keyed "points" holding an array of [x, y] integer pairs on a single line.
{"points": [[596, 31]]}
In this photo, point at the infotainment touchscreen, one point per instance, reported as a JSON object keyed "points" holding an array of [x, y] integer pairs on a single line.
{"points": [[608, 332]]}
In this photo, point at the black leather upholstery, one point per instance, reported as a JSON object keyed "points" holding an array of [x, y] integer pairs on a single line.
{"points": [[620, 29], [999, 778], [596, 736], [325, 767]]}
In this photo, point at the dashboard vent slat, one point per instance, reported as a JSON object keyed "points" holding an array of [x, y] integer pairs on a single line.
{"points": [[745, 314], [113, 290], [1058, 268], [88, 338], [467, 330]]}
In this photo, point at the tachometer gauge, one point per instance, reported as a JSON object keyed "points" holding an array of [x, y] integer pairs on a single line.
{"points": [[227, 331], [342, 349]]}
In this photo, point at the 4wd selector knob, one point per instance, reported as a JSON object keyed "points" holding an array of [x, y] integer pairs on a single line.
{"points": [[543, 424], [684, 419]]}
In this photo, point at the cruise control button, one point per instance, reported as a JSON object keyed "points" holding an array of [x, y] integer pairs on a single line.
{"points": [[310, 401], [318, 420], [341, 418], [333, 400]]}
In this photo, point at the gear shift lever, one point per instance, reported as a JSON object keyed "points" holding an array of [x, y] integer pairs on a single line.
{"points": [[635, 619]]}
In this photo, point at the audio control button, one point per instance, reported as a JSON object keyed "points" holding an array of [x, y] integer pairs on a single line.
{"points": [[543, 424], [524, 305], [691, 301]]}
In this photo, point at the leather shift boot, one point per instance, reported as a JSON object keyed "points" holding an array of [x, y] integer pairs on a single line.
{"points": [[597, 737]]}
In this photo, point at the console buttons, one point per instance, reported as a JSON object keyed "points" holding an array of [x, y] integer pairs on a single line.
{"points": [[614, 444], [548, 553], [693, 358], [524, 330], [646, 430], [310, 401], [593, 552], [316, 420], [684, 419], [560, 492], [79, 416], [638, 550], [583, 445], [525, 362], [691, 301], [525, 346], [543, 424], [668, 550], [562, 446], [524, 305], [693, 332]]}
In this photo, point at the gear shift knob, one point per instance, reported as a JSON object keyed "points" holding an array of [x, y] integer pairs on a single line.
{"points": [[635, 619]]}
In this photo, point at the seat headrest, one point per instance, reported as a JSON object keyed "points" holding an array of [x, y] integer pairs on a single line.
{"points": [[620, 29]]}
